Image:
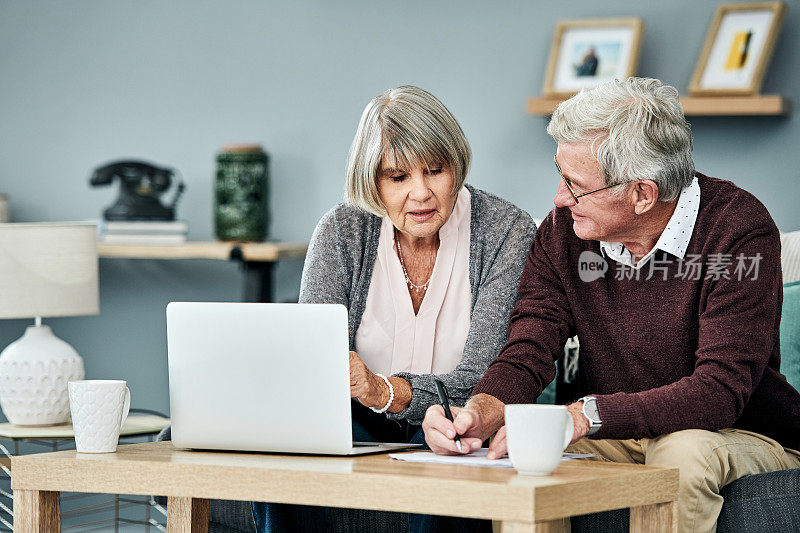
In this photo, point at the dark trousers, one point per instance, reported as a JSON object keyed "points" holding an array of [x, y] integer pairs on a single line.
{"points": [[369, 427]]}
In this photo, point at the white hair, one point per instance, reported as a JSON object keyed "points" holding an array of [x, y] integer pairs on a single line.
{"points": [[412, 126], [636, 131]]}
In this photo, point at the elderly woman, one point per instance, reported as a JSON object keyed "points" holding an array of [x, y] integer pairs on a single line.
{"points": [[428, 268]]}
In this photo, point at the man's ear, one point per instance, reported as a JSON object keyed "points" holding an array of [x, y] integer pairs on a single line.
{"points": [[645, 196]]}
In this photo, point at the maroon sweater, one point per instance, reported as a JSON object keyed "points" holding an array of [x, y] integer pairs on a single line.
{"points": [[661, 355]]}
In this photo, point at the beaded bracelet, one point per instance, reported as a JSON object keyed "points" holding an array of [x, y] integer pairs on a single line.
{"points": [[391, 395]]}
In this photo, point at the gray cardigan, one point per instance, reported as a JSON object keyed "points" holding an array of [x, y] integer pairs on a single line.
{"points": [[338, 269]]}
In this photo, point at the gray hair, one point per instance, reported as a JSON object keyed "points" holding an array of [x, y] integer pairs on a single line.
{"points": [[636, 130], [416, 129]]}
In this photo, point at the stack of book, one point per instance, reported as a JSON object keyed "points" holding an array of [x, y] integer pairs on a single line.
{"points": [[143, 232]]}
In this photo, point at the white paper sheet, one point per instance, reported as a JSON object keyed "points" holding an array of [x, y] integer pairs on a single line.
{"points": [[476, 458]]}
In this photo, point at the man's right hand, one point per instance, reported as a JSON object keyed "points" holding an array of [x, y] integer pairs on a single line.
{"points": [[499, 446], [475, 422], [440, 432]]}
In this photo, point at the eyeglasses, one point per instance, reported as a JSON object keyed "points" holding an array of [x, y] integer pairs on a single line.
{"points": [[569, 187]]}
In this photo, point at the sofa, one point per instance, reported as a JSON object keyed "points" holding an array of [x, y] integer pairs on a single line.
{"points": [[761, 503]]}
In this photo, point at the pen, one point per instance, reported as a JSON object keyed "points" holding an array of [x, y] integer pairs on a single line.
{"points": [[442, 392]]}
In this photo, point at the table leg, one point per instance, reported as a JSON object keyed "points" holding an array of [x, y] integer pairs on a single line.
{"points": [[37, 511], [550, 526], [656, 517], [258, 281], [187, 515]]}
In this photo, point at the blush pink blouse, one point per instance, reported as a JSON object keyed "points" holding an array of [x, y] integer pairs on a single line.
{"points": [[391, 338]]}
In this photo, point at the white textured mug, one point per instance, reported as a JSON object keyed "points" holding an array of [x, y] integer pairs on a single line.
{"points": [[99, 407], [536, 436]]}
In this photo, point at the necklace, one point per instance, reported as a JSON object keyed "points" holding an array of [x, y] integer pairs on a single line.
{"points": [[418, 288]]}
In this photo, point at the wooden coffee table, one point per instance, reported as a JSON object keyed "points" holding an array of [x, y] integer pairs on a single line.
{"points": [[190, 479]]}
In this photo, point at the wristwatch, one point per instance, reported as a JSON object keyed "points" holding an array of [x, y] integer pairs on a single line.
{"points": [[591, 413]]}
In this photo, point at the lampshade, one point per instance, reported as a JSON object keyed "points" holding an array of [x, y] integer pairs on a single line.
{"points": [[48, 270]]}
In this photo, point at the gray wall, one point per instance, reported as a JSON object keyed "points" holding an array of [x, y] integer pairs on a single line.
{"points": [[84, 82]]}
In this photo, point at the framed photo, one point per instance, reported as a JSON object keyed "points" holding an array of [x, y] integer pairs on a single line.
{"points": [[738, 48], [588, 52]]}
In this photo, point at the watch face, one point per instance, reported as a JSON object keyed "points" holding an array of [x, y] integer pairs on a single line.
{"points": [[590, 410]]}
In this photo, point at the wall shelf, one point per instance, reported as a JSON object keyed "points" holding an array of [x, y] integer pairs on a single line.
{"points": [[250, 251], [257, 259], [759, 105]]}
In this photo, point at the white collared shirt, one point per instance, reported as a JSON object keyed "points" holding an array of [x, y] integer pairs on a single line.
{"points": [[675, 237]]}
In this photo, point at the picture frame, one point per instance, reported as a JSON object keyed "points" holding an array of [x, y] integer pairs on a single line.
{"points": [[737, 49], [587, 52]]}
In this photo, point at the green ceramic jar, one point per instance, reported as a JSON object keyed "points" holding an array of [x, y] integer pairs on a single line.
{"points": [[241, 191]]}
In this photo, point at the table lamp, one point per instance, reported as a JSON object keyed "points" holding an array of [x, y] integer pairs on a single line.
{"points": [[46, 270]]}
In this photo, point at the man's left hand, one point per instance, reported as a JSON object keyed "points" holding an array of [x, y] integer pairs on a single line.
{"points": [[580, 424]]}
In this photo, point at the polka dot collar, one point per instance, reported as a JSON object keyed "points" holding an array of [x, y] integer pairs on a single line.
{"points": [[676, 236]]}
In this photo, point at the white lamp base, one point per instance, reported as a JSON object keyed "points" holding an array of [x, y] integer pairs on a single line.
{"points": [[34, 371]]}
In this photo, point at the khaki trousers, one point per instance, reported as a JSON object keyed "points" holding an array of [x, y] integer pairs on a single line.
{"points": [[708, 460]]}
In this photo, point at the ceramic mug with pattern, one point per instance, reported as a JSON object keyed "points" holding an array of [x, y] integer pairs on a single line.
{"points": [[99, 407]]}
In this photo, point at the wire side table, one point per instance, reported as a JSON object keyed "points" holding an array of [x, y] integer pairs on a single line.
{"points": [[62, 437]]}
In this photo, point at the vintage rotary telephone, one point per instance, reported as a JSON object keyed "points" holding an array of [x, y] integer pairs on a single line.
{"points": [[141, 186]]}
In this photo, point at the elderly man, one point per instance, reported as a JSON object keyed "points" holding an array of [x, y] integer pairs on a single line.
{"points": [[671, 280]]}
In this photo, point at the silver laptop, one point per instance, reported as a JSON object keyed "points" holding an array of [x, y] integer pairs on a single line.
{"points": [[262, 377]]}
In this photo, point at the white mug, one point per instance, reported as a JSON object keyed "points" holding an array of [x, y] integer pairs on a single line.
{"points": [[536, 436], [99, 407]]}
